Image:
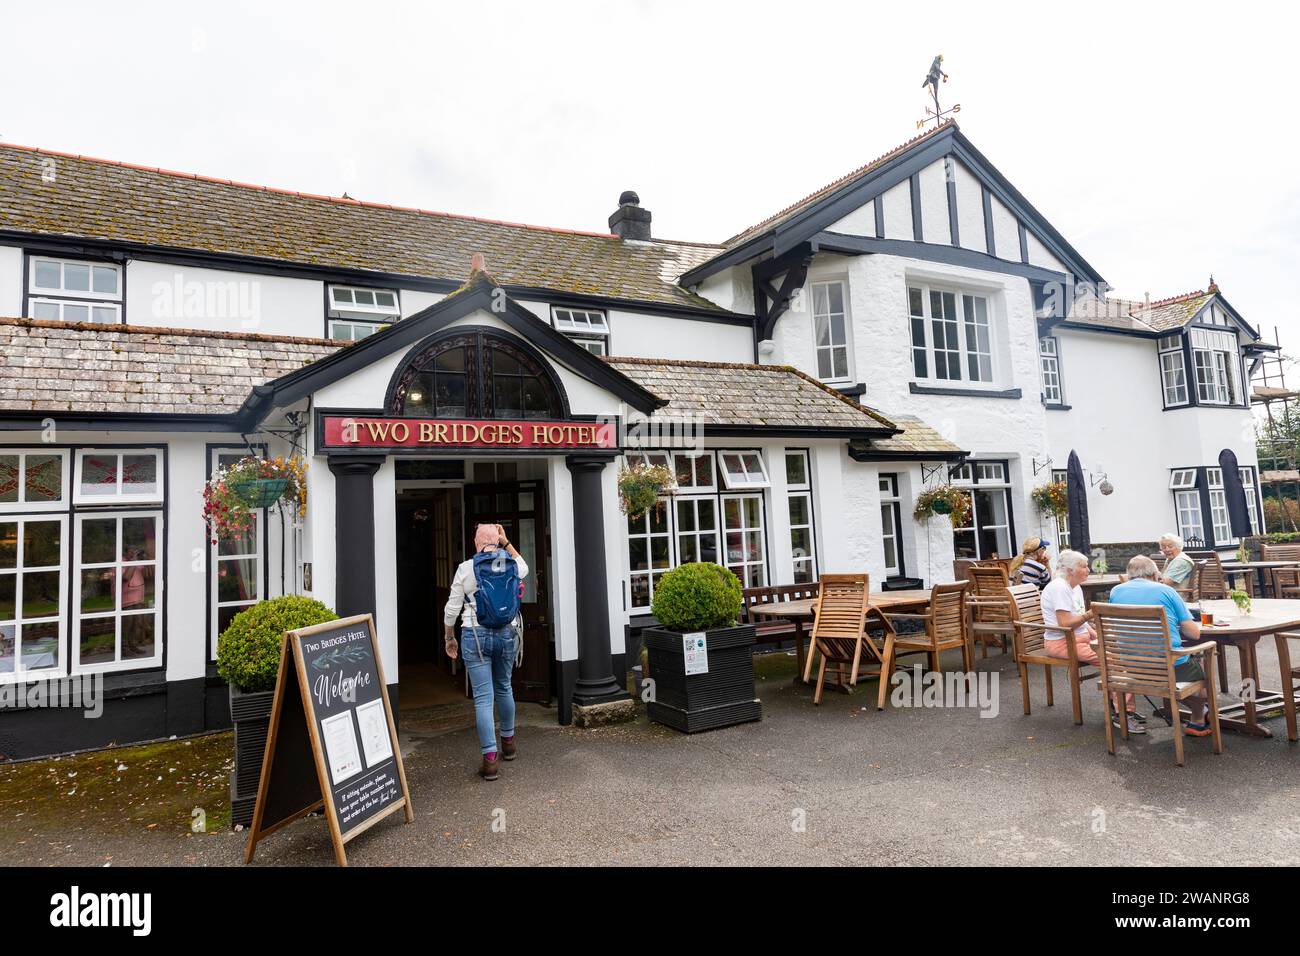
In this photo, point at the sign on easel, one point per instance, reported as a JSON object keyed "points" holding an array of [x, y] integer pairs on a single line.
{"points": [[332, 742]]}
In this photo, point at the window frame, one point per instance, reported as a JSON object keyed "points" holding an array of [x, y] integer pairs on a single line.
{"points": [[962, 352], [1167, 353], [76, 569], [375, 318], [157, 498], [1217, 371], [846, 317], [744, 531], [749, 483], [583, 333], [891, 504], [975, 481], [1052, 357], [214, 606], [34, 294], [803, 490], [36, 507], [19, 673]]}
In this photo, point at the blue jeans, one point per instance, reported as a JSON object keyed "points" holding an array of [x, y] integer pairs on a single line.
{"points": [[489, 655]]}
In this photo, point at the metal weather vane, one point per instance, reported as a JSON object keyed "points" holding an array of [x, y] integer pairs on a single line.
{"points": [[932, 81]]}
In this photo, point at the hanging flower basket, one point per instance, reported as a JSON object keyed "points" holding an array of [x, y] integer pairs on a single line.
{"points": [[1052, 499], [946, 500], [260, 492], [235, 493], [640, 486]]}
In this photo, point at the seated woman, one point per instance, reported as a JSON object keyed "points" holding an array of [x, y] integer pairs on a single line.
{"points": [[1177, 572], [1032, 563], [1063, 606]]}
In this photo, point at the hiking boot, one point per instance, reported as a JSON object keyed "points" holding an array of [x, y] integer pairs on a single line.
{"points": [[508, 750], [490, 769]]}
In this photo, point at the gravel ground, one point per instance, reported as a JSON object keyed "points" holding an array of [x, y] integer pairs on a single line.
{"points": [[831, 784]]}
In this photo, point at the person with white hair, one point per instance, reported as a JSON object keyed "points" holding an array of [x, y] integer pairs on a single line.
{"points": [[1067, 619], [1178, 568], [1143, 589]]}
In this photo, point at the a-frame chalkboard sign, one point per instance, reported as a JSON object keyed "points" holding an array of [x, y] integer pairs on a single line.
{"points": [[332, 742]]}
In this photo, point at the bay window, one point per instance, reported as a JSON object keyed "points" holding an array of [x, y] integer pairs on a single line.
{"points": [[1215, 358], [1173, 370], [1187, 505], [951, 335], [1219, 522], [236, 562], [33, 554], [715, 514]]}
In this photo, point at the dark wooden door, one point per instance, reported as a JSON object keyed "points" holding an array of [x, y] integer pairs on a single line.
{"points": [[520, 507]]}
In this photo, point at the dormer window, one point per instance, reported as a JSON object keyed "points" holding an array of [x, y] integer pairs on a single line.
{"points": [[68, 290], [587, 327], [356, 313], [1215, 357]]}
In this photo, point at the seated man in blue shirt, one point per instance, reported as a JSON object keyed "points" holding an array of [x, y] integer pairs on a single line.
{"points": [[1143, 587]]}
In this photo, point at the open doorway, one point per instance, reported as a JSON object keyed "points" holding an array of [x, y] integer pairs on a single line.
{"points": [[435, 530]]}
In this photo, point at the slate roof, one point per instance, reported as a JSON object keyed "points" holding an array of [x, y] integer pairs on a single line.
{"points": [[793, 209], [738, 395], [61, 194], [917, 437], [79, 367], [1151, 318], [50, 366]]}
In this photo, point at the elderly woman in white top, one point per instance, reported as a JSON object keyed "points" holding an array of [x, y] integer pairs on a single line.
{"points": [[1178, 568], [1068, 620]]}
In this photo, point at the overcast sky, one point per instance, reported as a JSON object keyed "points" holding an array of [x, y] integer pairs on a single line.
{"points": [[1156, 137]]}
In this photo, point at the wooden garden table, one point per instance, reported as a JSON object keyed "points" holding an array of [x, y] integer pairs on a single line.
{"points": [[1263, 571], [1243, 631], [1098, 582], [910, 601]]}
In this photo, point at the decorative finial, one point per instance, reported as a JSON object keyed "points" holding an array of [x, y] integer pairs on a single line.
{"points": [[477, 263], [1214, 286], [932, 81]]}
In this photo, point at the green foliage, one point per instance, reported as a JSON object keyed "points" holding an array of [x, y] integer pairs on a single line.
{"points": [[248, 650], [1052, 499], [1241, 599], [640, 485], [943, 500], [696, 597]]}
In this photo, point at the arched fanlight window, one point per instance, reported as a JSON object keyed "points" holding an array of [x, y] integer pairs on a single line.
{"points": [[475, 374]]}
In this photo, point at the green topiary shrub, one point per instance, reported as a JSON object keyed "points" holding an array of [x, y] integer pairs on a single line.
{"points": [[248, 651], [696, 597]]}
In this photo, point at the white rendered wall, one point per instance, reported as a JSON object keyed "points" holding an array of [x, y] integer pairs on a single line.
{"points": [[186, 297], [639, 335], [898, 211], [970, 208], [934, 205], [1135, 449], [11, 282]]}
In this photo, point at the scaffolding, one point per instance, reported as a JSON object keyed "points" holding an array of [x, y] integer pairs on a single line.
{"points": [[1278, 438]]}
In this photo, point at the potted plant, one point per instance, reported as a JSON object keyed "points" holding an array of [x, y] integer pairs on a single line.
{"points": [[1241, 599], [701, 660], [641, 484], [1052, 499], [943, 500], [233, 495], [248, 659]]}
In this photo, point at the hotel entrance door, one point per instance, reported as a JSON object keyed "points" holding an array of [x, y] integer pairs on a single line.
{"points": [[520, 507]]}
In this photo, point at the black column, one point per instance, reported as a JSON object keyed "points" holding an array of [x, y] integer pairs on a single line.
{"points": [[354, 534], [596, 682]]}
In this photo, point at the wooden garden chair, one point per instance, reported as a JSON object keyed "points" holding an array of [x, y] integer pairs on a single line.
{"points": [[945, 628], [1030, 633], [1286, 583], [987, 603], [1290, 674], [845, 630], [1211, 582], [1135, 658]]}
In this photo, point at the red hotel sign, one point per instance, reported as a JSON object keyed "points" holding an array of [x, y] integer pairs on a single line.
{"points": [[346, 431]]}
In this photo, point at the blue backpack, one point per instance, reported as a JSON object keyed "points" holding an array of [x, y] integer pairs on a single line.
{"points": [[496, 602]]}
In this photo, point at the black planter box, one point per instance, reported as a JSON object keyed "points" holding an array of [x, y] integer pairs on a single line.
{"points": [[251, 715], [719, 698]]}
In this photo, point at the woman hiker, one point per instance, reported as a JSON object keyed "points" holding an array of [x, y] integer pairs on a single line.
{"points": [[491, 582]]}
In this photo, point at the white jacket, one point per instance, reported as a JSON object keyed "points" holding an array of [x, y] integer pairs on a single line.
{"points": [[463, 586]]}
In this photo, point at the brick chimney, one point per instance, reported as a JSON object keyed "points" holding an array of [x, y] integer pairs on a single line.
{"points": [[630, 221]]}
